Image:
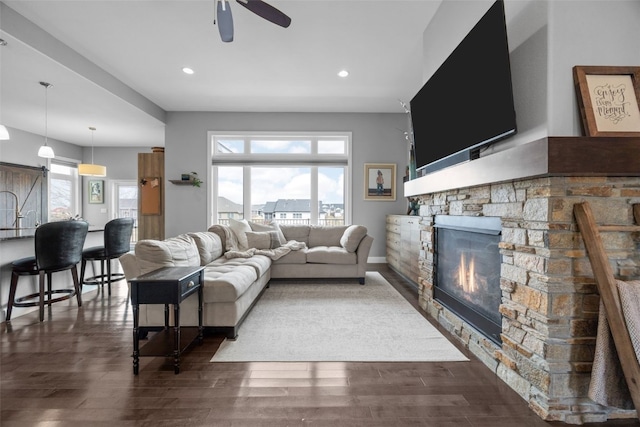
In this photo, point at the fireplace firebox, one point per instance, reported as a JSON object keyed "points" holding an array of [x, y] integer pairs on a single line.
{"points": [[467, 270]]}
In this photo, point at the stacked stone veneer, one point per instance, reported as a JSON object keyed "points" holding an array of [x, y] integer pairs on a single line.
{"points": [[549, 296]]}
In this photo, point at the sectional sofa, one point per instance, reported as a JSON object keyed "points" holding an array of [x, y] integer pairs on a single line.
{"points": [[239, 261]]}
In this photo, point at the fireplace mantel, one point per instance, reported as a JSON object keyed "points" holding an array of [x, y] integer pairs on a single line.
{"points": [[551, 156]]}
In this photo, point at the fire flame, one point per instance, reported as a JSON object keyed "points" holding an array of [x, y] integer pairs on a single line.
{"points": [[467, 274]]}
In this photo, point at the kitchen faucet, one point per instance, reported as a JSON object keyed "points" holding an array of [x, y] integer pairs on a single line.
{"points": [[19, 217]]}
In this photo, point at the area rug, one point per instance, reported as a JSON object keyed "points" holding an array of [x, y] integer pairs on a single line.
{"points": [[336, 321]]}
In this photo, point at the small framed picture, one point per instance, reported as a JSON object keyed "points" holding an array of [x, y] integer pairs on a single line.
{"points": [[96, 191], [380, 181], [608, 100]]}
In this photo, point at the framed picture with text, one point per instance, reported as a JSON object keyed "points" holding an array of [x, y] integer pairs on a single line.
{"points": [[96, 191], [608, 100], [380, 181]]}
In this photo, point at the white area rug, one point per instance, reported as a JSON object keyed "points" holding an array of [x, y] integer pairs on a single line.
{"points": [[334, 321]]}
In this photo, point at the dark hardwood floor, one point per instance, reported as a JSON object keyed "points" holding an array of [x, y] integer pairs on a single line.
{"points": [[75, 369]]}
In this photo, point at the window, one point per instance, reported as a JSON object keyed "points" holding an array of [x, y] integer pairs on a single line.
{"points": [[64, 200], [295, 179], [125, 203]]}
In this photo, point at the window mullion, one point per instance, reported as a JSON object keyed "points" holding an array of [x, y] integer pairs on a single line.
{"points": [[314, 207], [246, 186]]}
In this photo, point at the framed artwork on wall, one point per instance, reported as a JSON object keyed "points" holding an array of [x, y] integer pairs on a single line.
{"points": [[96, 191], [608, 100], [380, 181]]}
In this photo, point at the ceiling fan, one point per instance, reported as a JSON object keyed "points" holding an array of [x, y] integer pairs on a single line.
{"points": [[259, 7]]}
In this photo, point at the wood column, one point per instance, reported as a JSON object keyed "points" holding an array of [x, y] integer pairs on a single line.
{"points": [[151, 196]]}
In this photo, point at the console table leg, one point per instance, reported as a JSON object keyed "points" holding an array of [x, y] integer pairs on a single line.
{"points": [[176, 348], [200, 327], [136, 343]]}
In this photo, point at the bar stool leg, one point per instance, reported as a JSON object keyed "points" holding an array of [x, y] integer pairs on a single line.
{"points": [[108, 261], [41, 282], [82, 271], [76, 284], [12, 293], [102, 276]]}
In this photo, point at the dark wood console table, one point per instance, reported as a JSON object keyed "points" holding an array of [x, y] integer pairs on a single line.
{"points": [[168, 285]]}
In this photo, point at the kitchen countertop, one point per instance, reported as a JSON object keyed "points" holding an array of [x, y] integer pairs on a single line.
{"points": [[28, 233]]}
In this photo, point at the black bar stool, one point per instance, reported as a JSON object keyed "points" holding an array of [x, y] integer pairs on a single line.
{"points": [[58, 247], [117, 242]]}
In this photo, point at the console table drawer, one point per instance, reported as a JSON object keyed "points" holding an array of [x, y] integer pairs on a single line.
{"points": [[169, 285]]}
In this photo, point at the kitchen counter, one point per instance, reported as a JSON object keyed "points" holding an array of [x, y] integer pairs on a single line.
{"points": [[27, 233]]}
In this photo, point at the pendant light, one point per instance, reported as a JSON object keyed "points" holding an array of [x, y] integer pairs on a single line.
{"points": [[46, 151], [86, 169]]}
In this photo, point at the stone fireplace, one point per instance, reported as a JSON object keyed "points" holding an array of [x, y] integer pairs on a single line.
{"points": [[548, 304]]}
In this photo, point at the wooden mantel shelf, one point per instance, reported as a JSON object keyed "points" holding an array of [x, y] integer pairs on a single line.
{"points": [[551, 156]]}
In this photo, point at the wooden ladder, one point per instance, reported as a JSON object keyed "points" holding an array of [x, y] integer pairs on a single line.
{"points": [[609, 293]]}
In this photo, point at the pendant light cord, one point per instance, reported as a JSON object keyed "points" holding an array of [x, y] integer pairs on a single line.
{"points": [[46, 112], [92, 129]]}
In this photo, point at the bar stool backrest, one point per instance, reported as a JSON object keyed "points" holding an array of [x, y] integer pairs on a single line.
{"points": [[117, 236], [58, 245]]}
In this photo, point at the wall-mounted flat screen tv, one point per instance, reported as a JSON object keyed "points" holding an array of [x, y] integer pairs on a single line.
{"points": [[467, 103]]}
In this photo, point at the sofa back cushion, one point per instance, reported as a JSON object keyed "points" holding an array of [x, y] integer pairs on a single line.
{"points": [[299, 233], [209, 246], [352, 237], [179, 251], [325, 236]]}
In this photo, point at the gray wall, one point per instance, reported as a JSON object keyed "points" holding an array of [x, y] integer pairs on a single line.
{"points": [[122, 164], [599, 33], [377, 138]]}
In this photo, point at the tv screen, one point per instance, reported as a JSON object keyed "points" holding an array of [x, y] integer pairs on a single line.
{"points": [[468, 102]]}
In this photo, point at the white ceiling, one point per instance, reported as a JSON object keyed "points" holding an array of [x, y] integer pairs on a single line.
{"points": [[145, 44]]}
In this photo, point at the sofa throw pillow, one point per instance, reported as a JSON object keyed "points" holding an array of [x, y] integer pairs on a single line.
{"points": [[263, 239], [352, 237], [269, 227], [278, 230], [240, 229]]}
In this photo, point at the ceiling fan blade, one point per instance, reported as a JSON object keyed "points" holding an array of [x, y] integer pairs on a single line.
{"points": [[266, 11], [225, 21]]}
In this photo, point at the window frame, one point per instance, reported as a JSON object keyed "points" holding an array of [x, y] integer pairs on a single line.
{"points": [[313, 160], [76, 185]]}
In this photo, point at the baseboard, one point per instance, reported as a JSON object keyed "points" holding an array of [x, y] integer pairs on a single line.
{"points": [[376, 260]]}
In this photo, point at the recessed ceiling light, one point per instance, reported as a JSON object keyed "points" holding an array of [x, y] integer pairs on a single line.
{"points": [[343, 73], [187, 70]]}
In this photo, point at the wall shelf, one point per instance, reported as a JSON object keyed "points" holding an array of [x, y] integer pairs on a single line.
{"points": [[181, 181]]}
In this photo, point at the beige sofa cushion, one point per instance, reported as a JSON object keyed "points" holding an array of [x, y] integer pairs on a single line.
{"points": [[352, 237], [209, 246], [227, 283], [299, 233], [325, 236], [179, 251], [293, 257], [259, 263], [330, 255]]}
